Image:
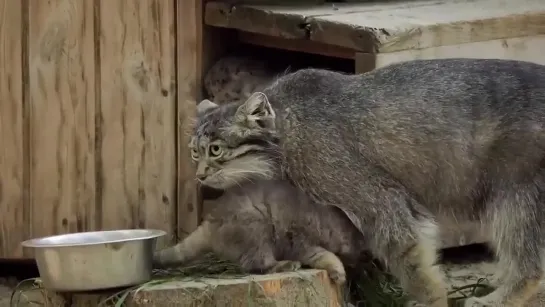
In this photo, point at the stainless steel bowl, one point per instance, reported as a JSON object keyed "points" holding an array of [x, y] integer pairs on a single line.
{"points": [[95, 260]]}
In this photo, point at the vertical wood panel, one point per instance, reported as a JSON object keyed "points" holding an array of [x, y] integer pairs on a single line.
{"points": [[190, 64], [61, 74], [137, 150], [12, 224]]}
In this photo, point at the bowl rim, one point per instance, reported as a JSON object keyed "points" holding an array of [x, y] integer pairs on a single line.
{"points": [[35, 242]]}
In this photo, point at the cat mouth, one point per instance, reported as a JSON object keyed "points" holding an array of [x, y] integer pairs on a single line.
{"points": [[213, 182]]}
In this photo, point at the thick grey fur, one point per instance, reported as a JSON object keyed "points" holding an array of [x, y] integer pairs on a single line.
{"points": [[405, 147], [262, 221]]}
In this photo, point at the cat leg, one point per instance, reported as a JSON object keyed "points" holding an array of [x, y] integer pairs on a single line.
{"points": [[404, 238], [194, 245], [251, 246], [411, 258], [320, 258], [261, 260], [517, 238]]}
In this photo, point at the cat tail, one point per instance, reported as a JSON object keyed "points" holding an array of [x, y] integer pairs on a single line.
{"points": [[193, 246]]}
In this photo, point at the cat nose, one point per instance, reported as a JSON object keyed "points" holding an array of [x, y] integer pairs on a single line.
{"points": [[201, 176]]}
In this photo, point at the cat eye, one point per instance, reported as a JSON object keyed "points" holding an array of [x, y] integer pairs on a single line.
{"points": [[194, 154], [215, 150]]}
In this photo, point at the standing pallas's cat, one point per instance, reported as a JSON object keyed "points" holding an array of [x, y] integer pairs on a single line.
{"points": [[405, 147], [261, 222]]}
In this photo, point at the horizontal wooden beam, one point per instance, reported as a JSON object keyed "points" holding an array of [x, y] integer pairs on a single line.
{"points": [[299, 45]]}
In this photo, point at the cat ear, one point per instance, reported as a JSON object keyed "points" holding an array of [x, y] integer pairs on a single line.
{"points": [[205, 105], [256, 112]]}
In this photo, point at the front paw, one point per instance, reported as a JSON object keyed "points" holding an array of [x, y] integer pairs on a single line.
{"points": [[338, 277]]}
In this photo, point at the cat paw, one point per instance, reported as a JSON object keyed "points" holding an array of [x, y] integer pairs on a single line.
{"points": [[337, 277], [285, 266]]}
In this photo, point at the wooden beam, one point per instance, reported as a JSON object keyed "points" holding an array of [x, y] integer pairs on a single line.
{"points": [[255, 19], [528, 48], [12, 157], [189, 29], [299, 45], [384, 26]]}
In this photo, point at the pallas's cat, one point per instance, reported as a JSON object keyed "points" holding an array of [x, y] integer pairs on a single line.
{"points": [[262, 221]]}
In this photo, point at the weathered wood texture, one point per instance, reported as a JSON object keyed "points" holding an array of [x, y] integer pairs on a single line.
{"points": [[301, 288], [203, 46], [189, 55], [527, 48], [12, 155], [61, 116], [387, 26], [90, 98]]}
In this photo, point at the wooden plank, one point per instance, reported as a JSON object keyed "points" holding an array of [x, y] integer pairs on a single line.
{"points": [[364, 62], [190, 66], [519, 48], [298, 45], [287, 21], [12, 223], [260, 19], [441, 23], [62, 116], [387, 26], [301, 288], [137, 115]]}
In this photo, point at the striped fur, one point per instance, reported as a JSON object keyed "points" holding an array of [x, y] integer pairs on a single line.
{"points": [[228, 150]]}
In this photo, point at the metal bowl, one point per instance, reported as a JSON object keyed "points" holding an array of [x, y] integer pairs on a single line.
{"points": [[95, 260]]}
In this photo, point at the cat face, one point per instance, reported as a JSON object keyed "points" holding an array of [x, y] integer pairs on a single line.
{"points": [[235, 142]]}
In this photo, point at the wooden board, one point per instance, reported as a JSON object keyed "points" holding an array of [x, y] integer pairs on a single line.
{"points": [[301, 288], [62, 116], [190, 63], [388, 26], [520, 48], [12, 157], [137, 117], [88, 117], [273, 21]]}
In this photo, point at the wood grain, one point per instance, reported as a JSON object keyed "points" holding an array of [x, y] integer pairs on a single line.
{"points": [[298, 45], [527, 48], [257, 19], [61, 75], [301, 288], [137, 114], [12, 210], [190, 64], [440, 23], [385, 26]]}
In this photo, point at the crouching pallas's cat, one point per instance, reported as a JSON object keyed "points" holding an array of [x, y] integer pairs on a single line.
{"points": [[262, 222], [403, 148]]}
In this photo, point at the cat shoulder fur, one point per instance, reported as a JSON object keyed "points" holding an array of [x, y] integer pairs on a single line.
{"points": [[410, 145]]}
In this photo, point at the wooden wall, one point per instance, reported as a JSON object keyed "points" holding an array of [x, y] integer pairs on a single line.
{"points": [[95, 97]]}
